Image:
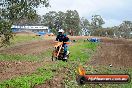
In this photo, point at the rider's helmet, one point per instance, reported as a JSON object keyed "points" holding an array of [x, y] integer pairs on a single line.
{"points": [[61, 31]]}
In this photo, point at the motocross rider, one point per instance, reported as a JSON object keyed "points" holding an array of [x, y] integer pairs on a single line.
{"points": [[61, 37]]}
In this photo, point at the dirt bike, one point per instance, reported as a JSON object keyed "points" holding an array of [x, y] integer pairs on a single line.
{"points": [[58, 52]]}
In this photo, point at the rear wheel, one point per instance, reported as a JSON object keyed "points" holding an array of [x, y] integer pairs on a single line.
{"points": [[66, 59]]}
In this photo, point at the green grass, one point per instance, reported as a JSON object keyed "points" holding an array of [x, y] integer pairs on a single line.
{"points": [[82, 51], [80, 54], [39, 76], [21, 39], [45, 73], [29, 81], [17, 57]]}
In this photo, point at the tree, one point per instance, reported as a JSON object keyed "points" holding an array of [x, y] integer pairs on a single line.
{"points": [[14, 12], [109, 32], [49, 19], [69, 21], [85, 26], [60, 20], [100, 32], [73, 22], [96, 23], [5, 32], [125, 29]]}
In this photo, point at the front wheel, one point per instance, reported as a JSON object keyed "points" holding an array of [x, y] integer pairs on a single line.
{"points": [[64, 60], [54, 58]]}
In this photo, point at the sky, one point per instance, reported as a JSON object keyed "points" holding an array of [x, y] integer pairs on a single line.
{"points": [[112, 11]]}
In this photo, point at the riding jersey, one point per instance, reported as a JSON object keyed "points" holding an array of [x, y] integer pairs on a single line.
{"points": [[62, 38]]}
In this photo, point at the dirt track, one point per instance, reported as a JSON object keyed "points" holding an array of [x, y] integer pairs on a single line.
{"points": [[56, 82], [35, 47], [11, 69], [29, 48], [115, 52], [111, 51]]}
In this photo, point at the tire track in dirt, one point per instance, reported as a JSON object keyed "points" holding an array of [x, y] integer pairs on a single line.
{"points": [[30, 48], [56, 82], [11, 69], [35, 47], [115, 52]]}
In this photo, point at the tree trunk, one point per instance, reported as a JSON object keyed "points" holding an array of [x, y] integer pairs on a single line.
{"points": [[71, 32]]}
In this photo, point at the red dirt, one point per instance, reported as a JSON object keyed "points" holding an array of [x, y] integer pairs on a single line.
{"points": [[29, 48], [111, 51], [25, 33], [115, 52], [35, 47], [11, 69], [56, 82]]}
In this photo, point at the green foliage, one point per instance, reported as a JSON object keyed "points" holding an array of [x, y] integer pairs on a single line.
{"points": [[85, 26], [77, 50], [81, 51], [125, 29], [80, 54], [99, 32], [22, 8], [29, 81], [67, 21], [5, 33], [97, 22], [73, 21], [45, 73], [49, 19], [14, 12]]}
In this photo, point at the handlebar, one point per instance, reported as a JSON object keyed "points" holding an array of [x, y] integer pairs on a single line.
{"points": [[60, 43]]}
